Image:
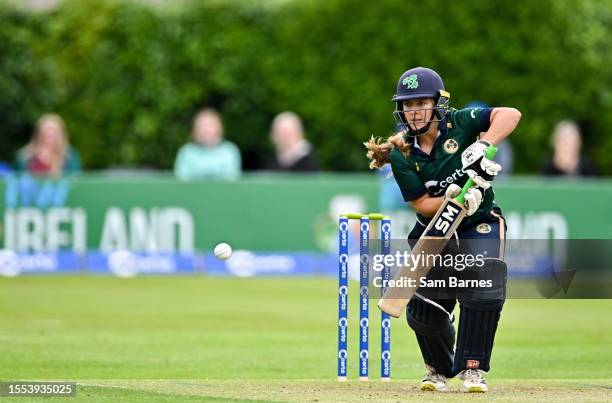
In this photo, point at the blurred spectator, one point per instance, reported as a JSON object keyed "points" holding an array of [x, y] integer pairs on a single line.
{"points": [[292, 151], [567, 159], [49, 152], [208, 156], [505, 155], [5, 169]]}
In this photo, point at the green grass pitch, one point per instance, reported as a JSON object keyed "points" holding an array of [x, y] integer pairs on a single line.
{"points": [[225, 339]]}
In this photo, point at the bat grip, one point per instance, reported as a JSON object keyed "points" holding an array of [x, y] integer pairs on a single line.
{"points": [[489, 154]]}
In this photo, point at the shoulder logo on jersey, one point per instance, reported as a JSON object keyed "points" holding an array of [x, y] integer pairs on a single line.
{"points": [[451, 146], [472, 114], [411, 82], [483, 228]]}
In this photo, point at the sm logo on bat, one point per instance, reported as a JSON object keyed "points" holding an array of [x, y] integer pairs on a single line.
{"points": [[446, 219]]}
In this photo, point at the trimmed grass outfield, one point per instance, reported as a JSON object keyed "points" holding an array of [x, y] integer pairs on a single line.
{"points": [[202, 338]]}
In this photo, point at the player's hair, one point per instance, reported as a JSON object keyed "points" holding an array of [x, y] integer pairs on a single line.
{"points": [[379, 153]]}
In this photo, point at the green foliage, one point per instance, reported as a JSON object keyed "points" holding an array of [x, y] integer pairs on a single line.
{"points": [[128, 77], [27, 85]]}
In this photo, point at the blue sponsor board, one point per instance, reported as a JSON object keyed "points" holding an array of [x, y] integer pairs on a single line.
{"points": [[244, 263], [531, 265], [124, 263], [15, 264]]}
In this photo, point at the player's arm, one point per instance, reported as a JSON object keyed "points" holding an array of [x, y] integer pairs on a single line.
{"points": [[427, 205], [412, 187], [503, 122]]}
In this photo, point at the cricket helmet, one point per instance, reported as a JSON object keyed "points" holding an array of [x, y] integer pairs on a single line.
{"points": [[420, 82]]}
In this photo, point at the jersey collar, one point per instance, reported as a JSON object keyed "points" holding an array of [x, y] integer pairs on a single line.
{"points": [[417, 146], [442, 134]]}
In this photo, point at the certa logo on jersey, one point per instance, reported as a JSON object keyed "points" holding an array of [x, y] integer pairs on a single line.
{"points": [[436, 188]]}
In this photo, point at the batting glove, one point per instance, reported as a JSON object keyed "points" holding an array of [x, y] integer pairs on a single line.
{"points": [[477, 166], [473, 197]]}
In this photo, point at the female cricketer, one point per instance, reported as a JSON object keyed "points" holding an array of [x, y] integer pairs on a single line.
{"points": [[432, 156]]}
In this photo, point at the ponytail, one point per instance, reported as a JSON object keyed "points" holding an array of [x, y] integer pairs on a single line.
{"points": [[379, 153]]}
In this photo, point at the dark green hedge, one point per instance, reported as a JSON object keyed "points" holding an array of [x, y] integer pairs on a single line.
{"points": [[128, 77]]}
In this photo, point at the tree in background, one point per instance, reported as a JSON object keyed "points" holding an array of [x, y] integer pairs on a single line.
{"points": [[128, 77]]}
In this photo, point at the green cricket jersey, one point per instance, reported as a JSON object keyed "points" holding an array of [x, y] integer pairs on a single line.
{"points": [[420, 173]]}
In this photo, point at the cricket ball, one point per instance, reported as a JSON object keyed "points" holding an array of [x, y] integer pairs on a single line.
{"points": [[223, 251]]}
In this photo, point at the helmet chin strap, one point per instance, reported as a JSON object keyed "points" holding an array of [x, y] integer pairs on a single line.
{"points": [[421, 131]]}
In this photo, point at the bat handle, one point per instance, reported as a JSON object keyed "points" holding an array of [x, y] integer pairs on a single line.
{"points": [[489, 154]]}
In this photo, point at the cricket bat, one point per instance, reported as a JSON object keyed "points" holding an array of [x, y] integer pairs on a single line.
{"points": [[440, 229]]}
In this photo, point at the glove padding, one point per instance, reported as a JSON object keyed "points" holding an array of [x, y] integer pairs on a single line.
{"points": [[473, 197], [477, 166]]}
